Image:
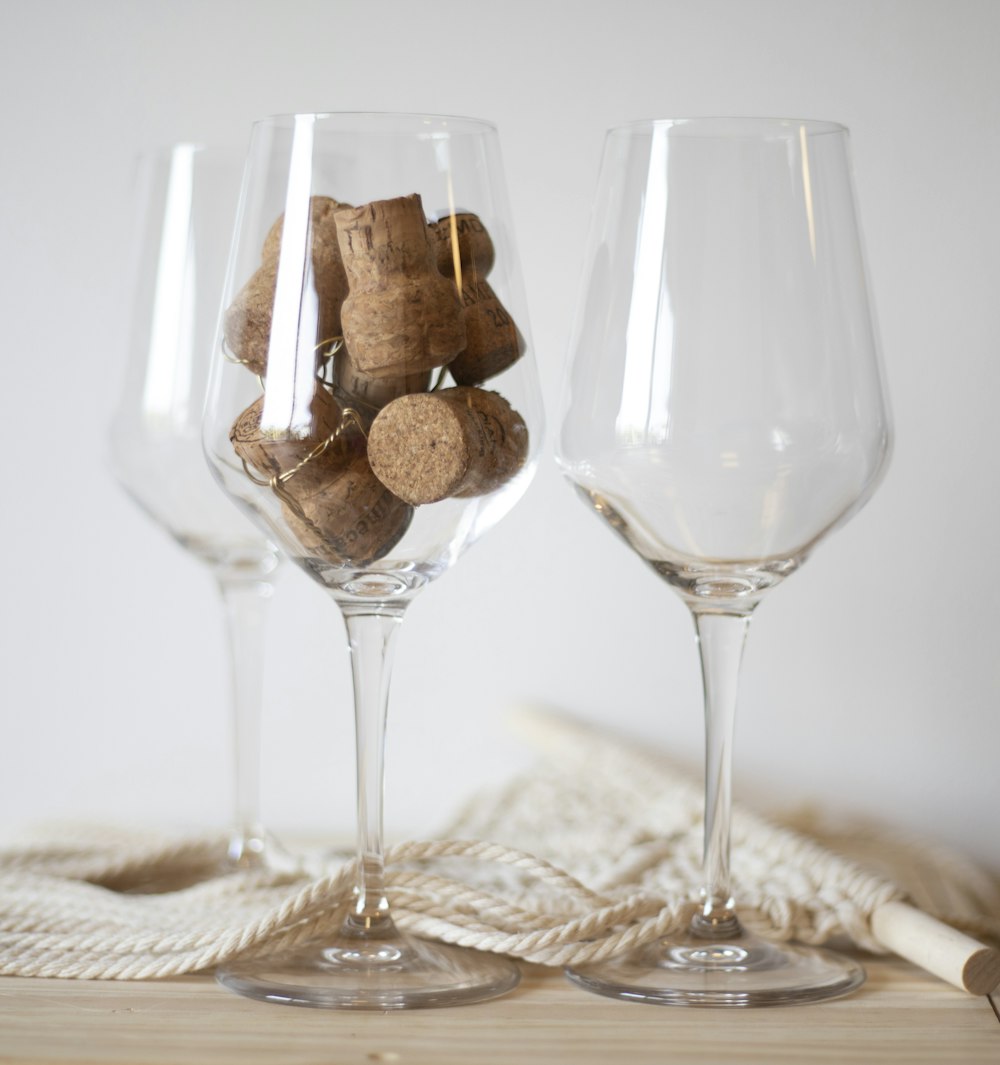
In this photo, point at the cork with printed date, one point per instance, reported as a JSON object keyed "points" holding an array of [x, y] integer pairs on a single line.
{"points": [[493, 340], [466, 254]]}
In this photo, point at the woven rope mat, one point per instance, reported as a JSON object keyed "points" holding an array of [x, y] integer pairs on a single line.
{"points": [[594, 851]]}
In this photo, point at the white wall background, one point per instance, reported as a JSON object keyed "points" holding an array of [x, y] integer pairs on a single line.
{"points": [[872, 679]]}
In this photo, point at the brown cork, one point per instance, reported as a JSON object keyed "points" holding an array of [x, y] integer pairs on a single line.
{"points": [[475, 248], [333, 504], [351, 519], [493, 340], [374, 392], [323, 236], [457, 442], [247, 321], [401, 316], [274, 451]]}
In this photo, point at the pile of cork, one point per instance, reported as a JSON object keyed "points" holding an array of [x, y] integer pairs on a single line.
{"points": [[401, 303]]}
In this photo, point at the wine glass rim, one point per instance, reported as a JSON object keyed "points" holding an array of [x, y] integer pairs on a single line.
{"points": [[730, 125], [204, 149], [446, 123]]}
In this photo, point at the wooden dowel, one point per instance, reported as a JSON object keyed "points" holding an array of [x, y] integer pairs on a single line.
{"points": [[940, 949]]}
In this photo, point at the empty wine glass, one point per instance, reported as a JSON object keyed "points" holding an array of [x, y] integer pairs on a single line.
{"points": [[186, 200], [725, 411], [374, 407]]}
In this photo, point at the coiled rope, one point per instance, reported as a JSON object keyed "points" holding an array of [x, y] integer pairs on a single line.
{"points": [[590, 854]]}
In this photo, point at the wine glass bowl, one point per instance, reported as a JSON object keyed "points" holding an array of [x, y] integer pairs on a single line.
{"points": [[185, 199], [440, 227], [726, 351], [725, 411], [375, 408]]}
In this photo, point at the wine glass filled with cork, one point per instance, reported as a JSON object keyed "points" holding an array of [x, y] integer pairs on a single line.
{"points": [[375, 408]]}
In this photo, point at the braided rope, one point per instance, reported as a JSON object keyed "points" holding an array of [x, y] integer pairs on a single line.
{"points": [[621, 836]]}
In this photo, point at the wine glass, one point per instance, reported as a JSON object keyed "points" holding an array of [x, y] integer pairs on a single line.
{"points": [[374, 407], [186, 198], [724, 412]]}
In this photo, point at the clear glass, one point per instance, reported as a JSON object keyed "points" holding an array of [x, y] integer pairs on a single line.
{"points": [[375, 408], [724, 412], [186, 198]]}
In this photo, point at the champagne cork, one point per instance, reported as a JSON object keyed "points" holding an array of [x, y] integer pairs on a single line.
{"points": [[474, 245], [374, 392], [277, 451], [247, 321], [351, 519], [333, 504], [457, 442], [493, 341], [401, 316], [323, 236]]}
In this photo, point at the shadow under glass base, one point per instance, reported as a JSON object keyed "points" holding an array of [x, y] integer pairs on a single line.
{"points": [[739, 972], [387, 974]]}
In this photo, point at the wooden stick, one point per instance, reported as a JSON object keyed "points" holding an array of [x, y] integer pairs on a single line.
{"points": [[937, 947]]}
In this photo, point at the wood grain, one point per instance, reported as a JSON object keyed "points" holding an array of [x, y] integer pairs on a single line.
{"points": [[900, 1016]]}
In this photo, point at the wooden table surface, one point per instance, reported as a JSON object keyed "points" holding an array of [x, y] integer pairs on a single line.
{"points": [[900, 1016]]}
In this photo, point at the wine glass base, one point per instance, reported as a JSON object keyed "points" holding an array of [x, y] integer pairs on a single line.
{"points": [[210, 861], [256, 851], [739, 972], [387, 974]]}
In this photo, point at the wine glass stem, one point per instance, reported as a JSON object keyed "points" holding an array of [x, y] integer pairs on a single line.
{"points": [[245, 600], [371, 635], [721, 638]]}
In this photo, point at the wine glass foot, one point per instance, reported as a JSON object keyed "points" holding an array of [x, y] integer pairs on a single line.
{"points": [[739, 972], [217, 858], [385, 974]]}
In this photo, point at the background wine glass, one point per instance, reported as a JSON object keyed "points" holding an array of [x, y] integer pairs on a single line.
{"points": [[186, 201], [376, 423], [725, 412]]}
